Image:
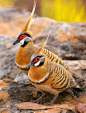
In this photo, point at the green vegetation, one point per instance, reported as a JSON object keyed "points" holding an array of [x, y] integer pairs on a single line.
{"points": [[60, 10], [64, 10], [4, 3]]}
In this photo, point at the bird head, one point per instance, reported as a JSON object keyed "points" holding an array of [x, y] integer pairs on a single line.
{"points": [[36, 61], [26, 36], [38, 58]]}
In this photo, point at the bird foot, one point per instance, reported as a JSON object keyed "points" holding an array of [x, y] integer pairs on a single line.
{"points": [[53, 100], [40, 98]]}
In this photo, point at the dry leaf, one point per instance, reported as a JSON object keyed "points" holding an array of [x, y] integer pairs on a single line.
{"points": [[3, 84], [3, 95], [5, 111], [8, 80], [55, 110], [81, 108], [34, 106]]}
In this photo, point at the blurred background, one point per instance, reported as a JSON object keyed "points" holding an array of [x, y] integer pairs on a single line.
{"points": [[60, 10]]}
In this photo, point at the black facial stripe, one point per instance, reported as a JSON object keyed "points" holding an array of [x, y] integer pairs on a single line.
{"points": [[41, 62], [25, 43], [27, 34]]}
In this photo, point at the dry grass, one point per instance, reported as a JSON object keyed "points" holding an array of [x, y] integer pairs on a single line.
{"points": [[4, 3]]}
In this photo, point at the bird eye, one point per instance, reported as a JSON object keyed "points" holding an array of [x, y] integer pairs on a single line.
{"points": [[22, 36], [37, 58]]}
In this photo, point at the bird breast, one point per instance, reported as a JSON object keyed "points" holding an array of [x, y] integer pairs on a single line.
{"points": [[38, 74], [46, 88], [24, 54]]}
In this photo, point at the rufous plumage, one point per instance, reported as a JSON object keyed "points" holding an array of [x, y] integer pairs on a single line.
{"points": [[28, 48], [49, 76]]}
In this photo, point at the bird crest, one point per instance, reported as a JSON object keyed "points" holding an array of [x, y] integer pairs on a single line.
{"points": [[43, 45], [28, 25]]}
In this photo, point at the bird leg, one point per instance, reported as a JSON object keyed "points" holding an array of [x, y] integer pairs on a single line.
{"points": [[70, 92], [53, 100], [40, 98]]}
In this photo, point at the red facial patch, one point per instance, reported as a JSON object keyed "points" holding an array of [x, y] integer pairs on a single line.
{"points": [[37, 59], [21, 37]]}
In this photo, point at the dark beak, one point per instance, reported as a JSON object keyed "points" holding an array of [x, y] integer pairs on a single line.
{"points": [[30, 64], [15, 42]]}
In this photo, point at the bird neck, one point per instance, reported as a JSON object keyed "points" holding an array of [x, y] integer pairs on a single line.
{"points": [[24, 54], [39, 74], [28, 45]]}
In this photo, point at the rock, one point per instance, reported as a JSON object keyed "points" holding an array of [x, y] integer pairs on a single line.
{"points": [[14, 28], [39, 24], [9, 46], [8, 14], [80, 31], [67, 40], [7, 58], [22, 78], [63, 37], [20, 90], [14, 20], [70, 56]]}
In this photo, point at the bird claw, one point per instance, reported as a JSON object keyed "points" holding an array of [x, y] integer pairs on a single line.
{"points": [[39, 99]]}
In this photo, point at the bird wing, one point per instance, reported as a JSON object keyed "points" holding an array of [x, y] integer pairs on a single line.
{"points": [[54, 57], [61, 78]]}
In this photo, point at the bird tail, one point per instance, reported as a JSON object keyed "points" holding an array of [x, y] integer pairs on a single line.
{"points": [[77, 88]]}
